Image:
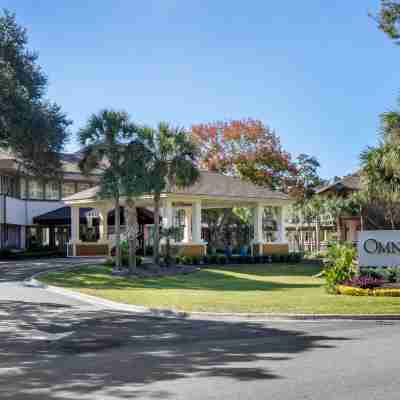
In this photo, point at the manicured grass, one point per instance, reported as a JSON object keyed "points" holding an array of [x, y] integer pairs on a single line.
{"points": [[271, 288]]}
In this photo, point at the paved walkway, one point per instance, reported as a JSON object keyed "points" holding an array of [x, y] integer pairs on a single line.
{"points": [[20, 270], [52, 347]]}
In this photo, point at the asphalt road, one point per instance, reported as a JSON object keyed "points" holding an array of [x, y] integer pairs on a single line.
{"points": [[52, 347]]}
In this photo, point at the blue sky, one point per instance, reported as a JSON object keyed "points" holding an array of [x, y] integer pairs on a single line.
{"points": [[318, 72]]}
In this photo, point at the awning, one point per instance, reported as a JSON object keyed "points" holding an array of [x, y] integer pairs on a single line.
{"points": [[62, 216]]}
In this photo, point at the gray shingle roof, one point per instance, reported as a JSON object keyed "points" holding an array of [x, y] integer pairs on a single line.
{"points": [[210, 184], [351, 182]]}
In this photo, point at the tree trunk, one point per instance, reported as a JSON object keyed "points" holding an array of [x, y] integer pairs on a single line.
{"points": [[131, 222], [339, 229], [317, 241], [156, 234], [117, 228], [361, 220]]}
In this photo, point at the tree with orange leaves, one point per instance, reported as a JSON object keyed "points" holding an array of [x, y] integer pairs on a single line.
{"points": [[245, 148]]}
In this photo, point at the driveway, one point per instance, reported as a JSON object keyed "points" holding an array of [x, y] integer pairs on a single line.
{"points": [[55, 348]]}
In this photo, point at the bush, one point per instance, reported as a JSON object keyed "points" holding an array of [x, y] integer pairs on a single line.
{"points": [[297, 257], [376, 273], [222, 260], [178, 260], [213, 258], [6, 254], [258, 259], [393, 275], [340, 267], [275, 258], [196, 260], [364, 282], [206, 260], [187, 260], [266, 259]]}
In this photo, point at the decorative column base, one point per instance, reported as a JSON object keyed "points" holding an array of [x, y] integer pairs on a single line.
{"points": [[187, 249], [90, 249], [267, 249]]}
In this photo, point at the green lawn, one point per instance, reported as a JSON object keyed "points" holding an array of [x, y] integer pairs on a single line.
{"points": [[272, 288]]}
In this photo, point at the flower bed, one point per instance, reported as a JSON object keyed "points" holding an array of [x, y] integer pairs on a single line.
{"points": [[377, 291]]}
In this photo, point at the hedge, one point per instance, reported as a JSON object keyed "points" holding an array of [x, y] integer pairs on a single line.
{"points": [[221, 259]]}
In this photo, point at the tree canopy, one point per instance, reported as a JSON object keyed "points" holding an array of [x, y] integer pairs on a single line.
{"points": [[105, 137], [172, 163], [34, 128], [388, 19], [245, 148]]}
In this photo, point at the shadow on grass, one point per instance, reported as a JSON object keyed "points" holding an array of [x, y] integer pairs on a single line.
{"points": [[213, 278], [51, 351]]}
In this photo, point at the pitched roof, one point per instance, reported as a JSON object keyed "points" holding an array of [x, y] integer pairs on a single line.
{"points": [[69, 165], [350, 182], [210, 184]]}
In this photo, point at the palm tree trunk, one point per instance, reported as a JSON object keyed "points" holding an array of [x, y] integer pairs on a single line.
{"points": [[339, 229], [117, 228], [131, 222], [156, 240]]}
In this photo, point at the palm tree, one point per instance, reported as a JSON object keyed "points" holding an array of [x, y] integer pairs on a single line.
{"points": [[134, 183], [173, 163], [103, 138], [336, 206]]}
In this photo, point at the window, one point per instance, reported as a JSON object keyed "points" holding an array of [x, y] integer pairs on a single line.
{"points": [[83, 186], [52, 191], [35, 190], [8, 186], [68, 189]]}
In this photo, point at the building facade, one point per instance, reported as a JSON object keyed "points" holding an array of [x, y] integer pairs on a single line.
{"points": [[315, 233], [23, 198]]}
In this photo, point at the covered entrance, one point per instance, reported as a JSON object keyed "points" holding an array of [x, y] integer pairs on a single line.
{"points": [[53, 229], [184, 207]]}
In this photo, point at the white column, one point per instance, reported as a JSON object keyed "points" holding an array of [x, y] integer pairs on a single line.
{"points": [[281, 216], [103, 226], [258, 212], [74, 224], [187, 232], [196, 222], [168, 214], [23, 237]]}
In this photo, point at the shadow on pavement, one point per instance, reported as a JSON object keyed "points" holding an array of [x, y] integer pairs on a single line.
{"points": [[51, 351]]}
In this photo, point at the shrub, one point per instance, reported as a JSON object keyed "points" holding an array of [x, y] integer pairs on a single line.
{"points": [[187, 260], [6, 253], [364, 282], [222, 259], [266, 259], [206, 260], [258, 259], [196, 260], [275, 258], [178, 260], [340, 266], [213, 258], [393, 275], [376, 273]]}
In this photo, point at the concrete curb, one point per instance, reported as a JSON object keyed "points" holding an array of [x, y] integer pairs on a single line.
{"points": [[196, 315]]}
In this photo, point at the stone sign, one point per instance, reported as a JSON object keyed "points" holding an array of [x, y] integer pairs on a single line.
{"points": [[379, 248]]}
